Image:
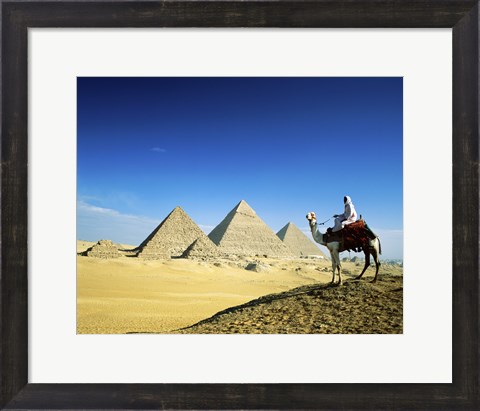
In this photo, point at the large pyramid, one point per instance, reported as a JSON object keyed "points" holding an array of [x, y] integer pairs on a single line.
{"points": [[297, 241], [243, 233], [172, 237]]}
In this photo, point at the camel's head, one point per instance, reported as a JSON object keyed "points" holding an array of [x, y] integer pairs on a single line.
{"points": [[311, 217]]}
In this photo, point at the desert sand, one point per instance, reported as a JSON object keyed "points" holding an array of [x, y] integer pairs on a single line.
{"points": [[131, 295]]}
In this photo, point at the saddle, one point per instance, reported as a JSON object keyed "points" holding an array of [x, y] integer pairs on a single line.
{"points": [[353, 236]]}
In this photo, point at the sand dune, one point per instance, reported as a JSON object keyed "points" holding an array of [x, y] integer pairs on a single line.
{"points": [[357, 307]]}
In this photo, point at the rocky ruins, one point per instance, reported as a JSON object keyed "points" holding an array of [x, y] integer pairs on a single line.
{"points": [[103, 249], [242, 233]]}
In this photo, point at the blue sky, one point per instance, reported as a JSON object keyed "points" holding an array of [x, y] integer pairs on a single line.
{"points": [[285, 145]]}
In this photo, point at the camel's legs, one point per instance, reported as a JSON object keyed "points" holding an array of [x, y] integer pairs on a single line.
{"points": [[335, 265], [367, 263], [339, 272], [377, 264]]}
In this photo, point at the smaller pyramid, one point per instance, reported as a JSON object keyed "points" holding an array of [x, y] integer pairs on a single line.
{"points": [[172, 237], [201, 248], [297, 241], [103, 249]]}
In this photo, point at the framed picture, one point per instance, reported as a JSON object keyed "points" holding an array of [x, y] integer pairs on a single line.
{"points": [[256, 242], [47, 109]]}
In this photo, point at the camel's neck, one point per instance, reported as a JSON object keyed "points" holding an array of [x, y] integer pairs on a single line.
{"points": [[317, 235], [324, 242], [322, 237]]}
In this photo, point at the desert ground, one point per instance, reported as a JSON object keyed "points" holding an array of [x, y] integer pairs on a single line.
{"points": [[131, 295]]}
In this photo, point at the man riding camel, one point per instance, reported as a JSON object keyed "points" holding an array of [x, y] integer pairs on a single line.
{"points": [[349, 216]]}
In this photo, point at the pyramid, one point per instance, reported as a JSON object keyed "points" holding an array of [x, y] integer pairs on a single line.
{"points": [[202, 247], [243, 233], [103, 249], [172, 237], [297, 241]]}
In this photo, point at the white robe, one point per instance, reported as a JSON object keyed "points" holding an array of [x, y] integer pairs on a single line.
{"points": [[349, 216]]}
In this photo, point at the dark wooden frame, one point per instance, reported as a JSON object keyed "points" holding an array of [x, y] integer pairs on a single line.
{"points": [[461, 15]]}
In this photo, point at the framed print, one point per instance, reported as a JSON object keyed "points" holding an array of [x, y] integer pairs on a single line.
{"points": [[82, 159], [172, 278]]}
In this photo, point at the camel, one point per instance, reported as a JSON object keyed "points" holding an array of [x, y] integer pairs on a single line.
{"points": [[336, 247]]}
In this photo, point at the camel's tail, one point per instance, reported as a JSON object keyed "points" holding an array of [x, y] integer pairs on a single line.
{"points": [[379, 246]]}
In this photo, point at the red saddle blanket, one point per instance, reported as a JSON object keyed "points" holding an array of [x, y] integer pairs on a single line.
{"points": [[353, 236]]}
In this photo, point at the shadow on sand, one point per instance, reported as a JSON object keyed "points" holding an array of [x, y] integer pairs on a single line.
{"points": [[310, 289]]}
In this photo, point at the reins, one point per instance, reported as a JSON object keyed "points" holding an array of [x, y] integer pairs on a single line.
{"points": [[325, 221]]}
